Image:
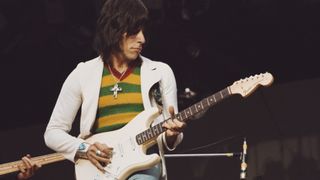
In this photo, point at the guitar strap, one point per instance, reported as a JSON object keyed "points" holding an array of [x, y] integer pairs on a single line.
{"points": [[156, 99], [155, 94], [153, 149]]}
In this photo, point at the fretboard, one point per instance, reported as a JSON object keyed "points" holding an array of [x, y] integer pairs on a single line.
{"points": [[186, 114]]}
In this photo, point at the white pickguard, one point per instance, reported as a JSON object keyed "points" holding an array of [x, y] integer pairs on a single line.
{"points": [[128, 157]]}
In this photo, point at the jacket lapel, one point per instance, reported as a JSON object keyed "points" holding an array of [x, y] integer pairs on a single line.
{"points": [[149, 76], [91, 95]]}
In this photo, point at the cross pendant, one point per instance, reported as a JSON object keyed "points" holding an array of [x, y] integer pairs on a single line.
{"points": [[116, 88]]}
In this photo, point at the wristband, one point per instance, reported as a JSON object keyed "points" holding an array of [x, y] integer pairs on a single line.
{"points": [[82, 150]]}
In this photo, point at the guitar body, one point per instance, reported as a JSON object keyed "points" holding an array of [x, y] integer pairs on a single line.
{"points": [[128, 157]]}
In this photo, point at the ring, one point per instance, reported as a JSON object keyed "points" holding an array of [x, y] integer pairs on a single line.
{"points": [[98, 153]]}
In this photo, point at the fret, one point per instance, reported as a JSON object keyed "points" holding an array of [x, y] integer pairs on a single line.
{"points": [[160, 127], [208, 101], [139, 139], [221, 94], [217, 98], [229, 91], [183, 115], [150, 133], [188, 112], [225, 92], [156, 130], [204, 103], [198, 107], [178, 116], [193, 109], [144, 136]]}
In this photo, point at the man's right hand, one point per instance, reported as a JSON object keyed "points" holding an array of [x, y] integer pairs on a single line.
{"points": [[99, 155]]}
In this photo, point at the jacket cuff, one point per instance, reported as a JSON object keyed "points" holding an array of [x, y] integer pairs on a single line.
{"points": [[73, 155], [176, 143]]}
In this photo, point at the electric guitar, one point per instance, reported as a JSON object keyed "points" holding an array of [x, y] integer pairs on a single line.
{"points": [[131, 142]]}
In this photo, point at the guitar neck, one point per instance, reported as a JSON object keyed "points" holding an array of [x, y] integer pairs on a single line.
{"points": [[184, 115], [203, 105], [11, 167]]}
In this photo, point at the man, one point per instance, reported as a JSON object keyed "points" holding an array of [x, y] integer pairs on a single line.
{"points": [[113, 88]]}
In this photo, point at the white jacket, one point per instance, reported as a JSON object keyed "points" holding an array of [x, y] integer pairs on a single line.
{"points": [[81, 89]]}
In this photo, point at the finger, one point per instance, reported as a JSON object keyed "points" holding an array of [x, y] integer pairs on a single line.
{"points": [[30, 166], [104, 148], [179, 125], [171, 124], [21, 169], [97, 164], [92, 149], [173, 129], [27, 162], [37, 166], [99, 158], [166, 125], [105, 161], [95, 152], [106, 154], [172, 133]]}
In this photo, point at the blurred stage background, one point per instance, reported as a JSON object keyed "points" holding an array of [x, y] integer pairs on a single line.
{"points": [[209, 44]]}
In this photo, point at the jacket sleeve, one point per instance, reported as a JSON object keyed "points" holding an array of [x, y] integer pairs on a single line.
{"points": [[57, 135], [168, 88]]}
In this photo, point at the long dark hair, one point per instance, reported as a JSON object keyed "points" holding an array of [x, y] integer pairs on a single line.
{"points": [[116, 18]]}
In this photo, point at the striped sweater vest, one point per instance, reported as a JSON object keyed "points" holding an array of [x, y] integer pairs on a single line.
{"points": [[114, 113]]}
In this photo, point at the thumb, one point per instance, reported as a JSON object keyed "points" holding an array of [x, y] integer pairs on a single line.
{"points": [[171, 110]]}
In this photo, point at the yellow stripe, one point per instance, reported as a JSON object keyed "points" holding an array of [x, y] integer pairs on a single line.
{"points": [[109, 80], [116, 118], [127, 98], [132, 79]]}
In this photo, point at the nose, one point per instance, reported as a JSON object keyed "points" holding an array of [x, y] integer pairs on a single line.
{"points": [[140, 37]]}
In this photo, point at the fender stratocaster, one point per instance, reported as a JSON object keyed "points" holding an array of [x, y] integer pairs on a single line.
{"points": [[131, 142]]}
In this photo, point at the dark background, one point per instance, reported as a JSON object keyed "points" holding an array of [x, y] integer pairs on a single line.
{"points": [[209, 44]]}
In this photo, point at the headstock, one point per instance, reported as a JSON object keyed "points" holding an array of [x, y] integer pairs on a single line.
{"points": [[246, 86]]}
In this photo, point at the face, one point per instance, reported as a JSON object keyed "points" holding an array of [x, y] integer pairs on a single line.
{"points": [[131, 45]]}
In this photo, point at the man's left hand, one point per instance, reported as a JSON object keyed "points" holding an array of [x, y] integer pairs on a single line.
{"points": [[174, 128]]}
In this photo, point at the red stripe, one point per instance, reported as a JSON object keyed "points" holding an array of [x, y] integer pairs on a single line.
{"points": [[117, 74]]}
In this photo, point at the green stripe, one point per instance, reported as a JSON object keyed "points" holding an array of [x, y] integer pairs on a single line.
{"points": [[110, 128], [105, 72], [136, 71], [126, 88], [118, 109]]}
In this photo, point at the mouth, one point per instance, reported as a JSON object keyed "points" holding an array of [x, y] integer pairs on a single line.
{"points": [[139, 49]]}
